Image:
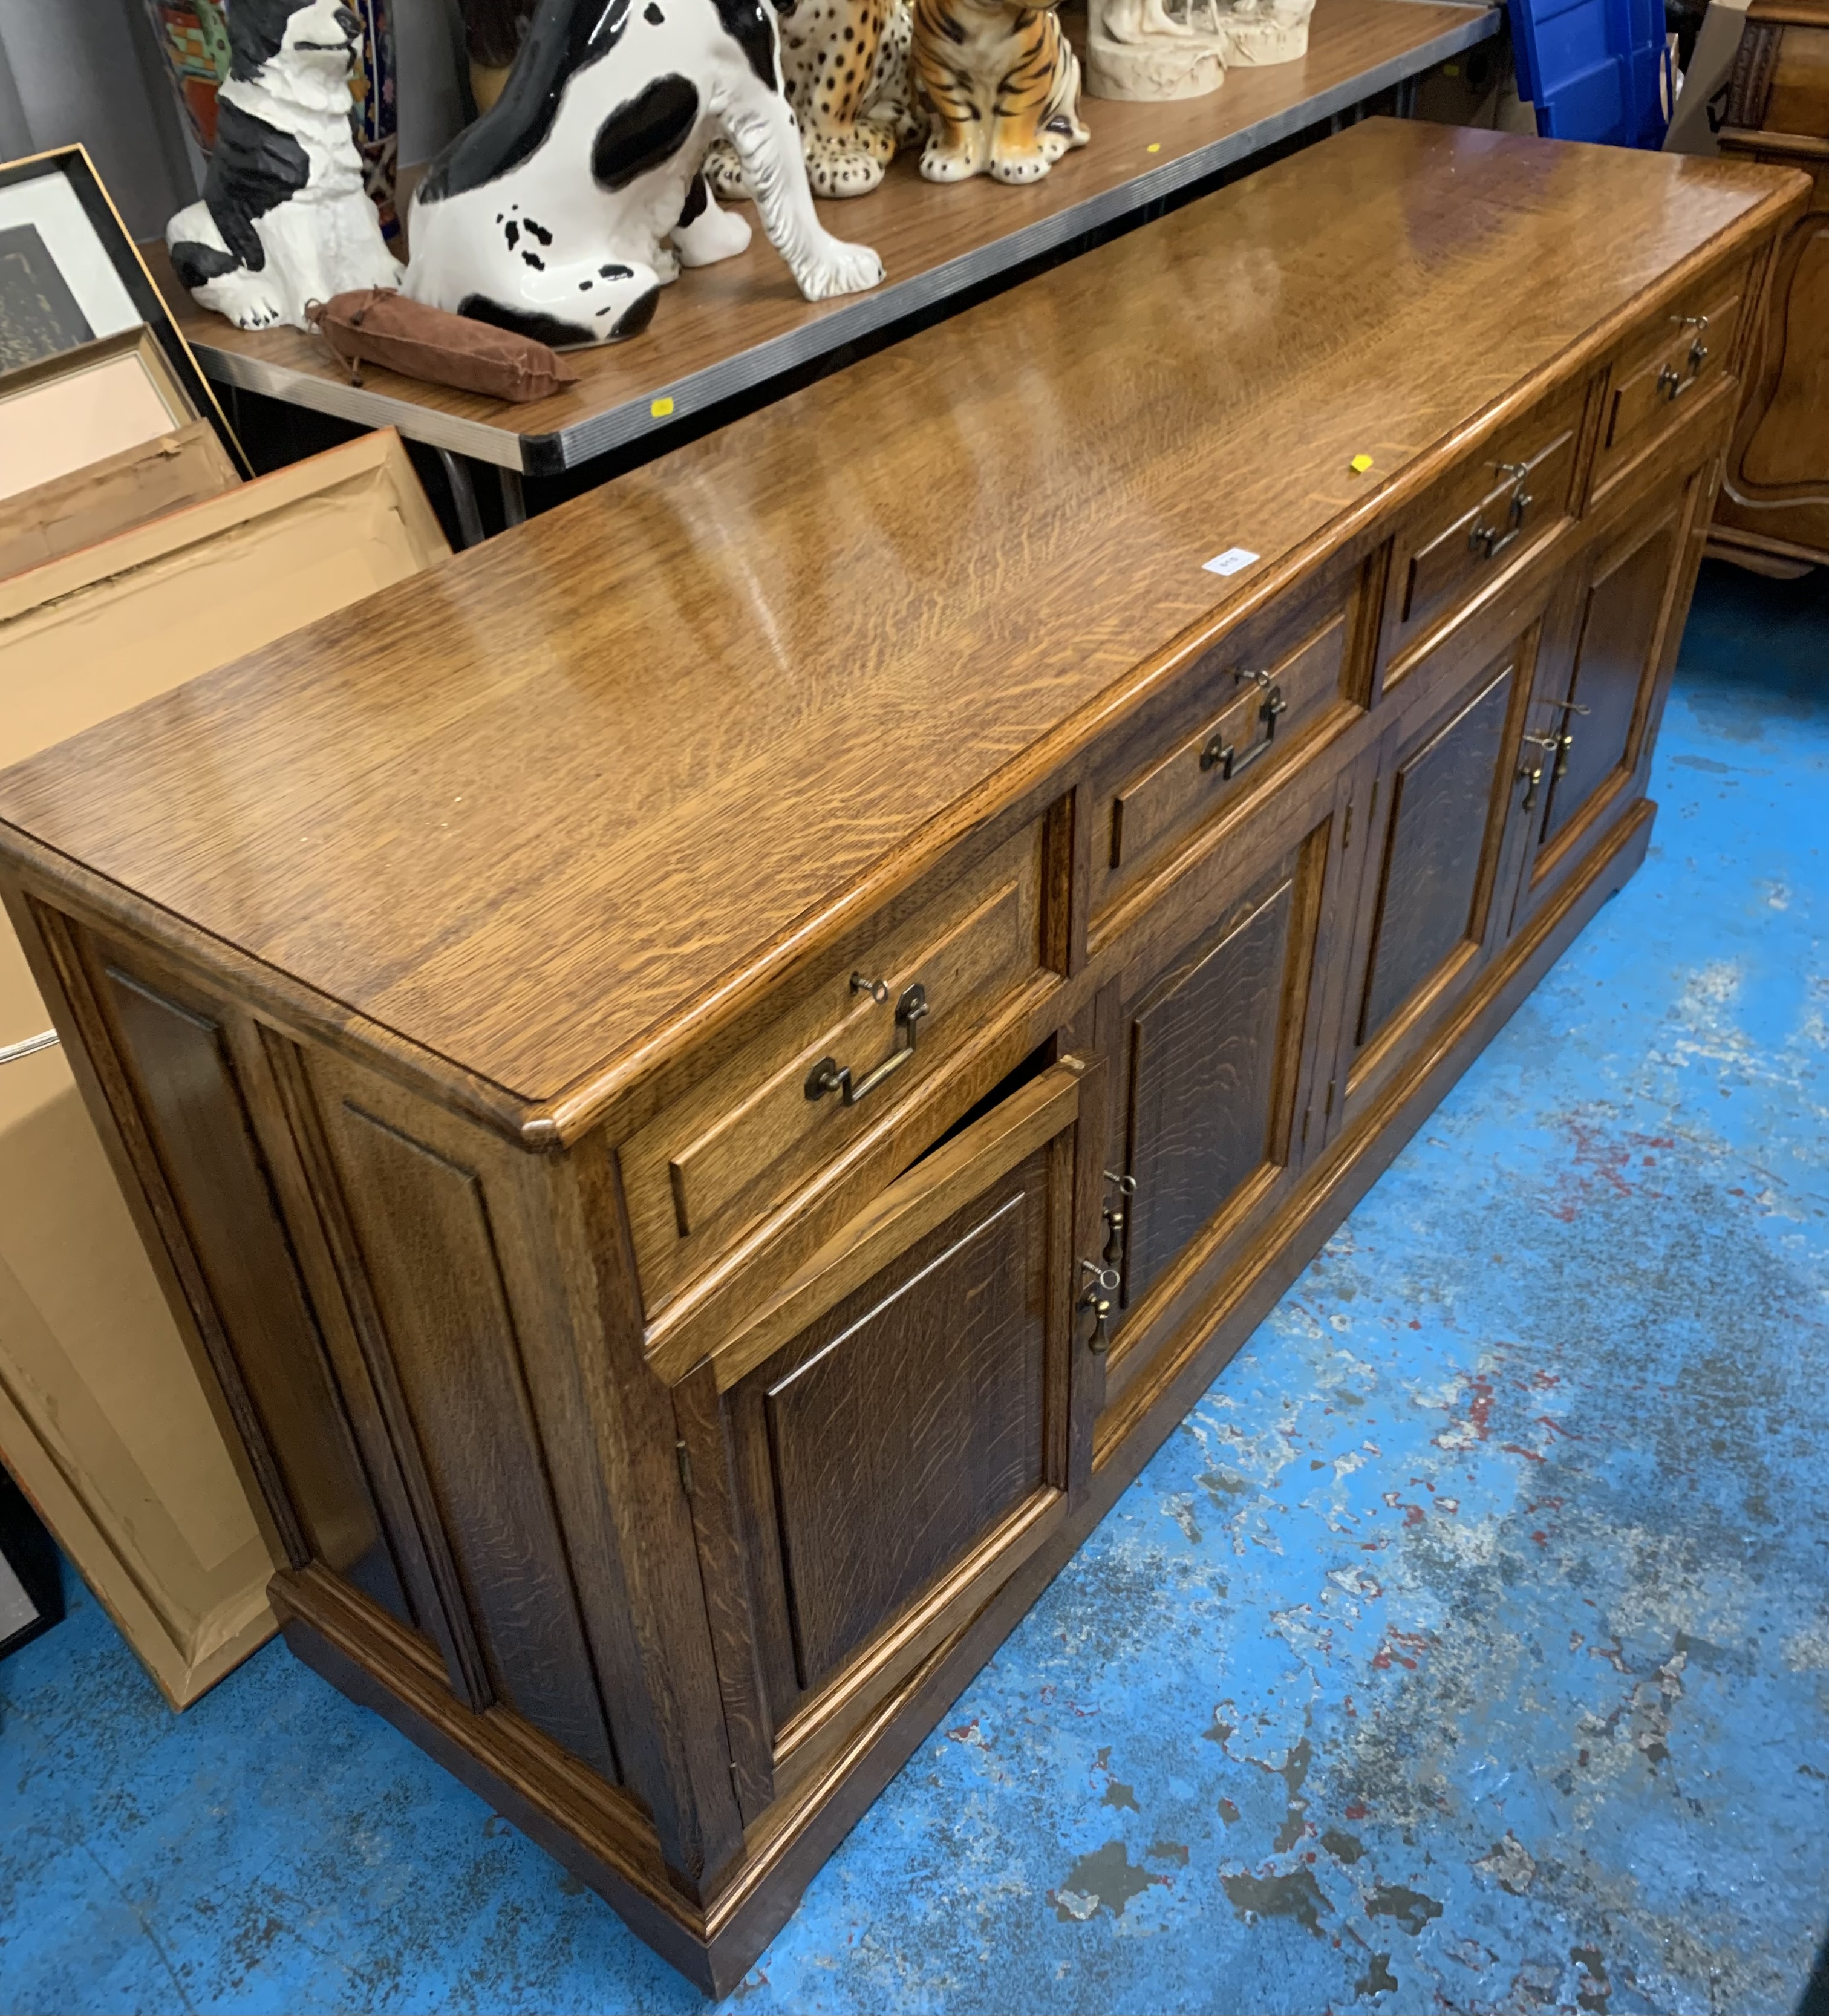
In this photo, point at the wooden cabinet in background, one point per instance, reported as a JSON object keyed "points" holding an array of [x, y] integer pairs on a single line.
{"points": [[1772, 513], [835, 979]]}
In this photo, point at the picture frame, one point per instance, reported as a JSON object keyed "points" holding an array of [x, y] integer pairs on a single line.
{"points": [[70, 275], [78, 407]]}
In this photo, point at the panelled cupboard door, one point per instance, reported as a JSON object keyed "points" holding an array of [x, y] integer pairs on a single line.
{"points": [[896, 1457], [1210, 1030], [1440, 814], [1598, 680]]}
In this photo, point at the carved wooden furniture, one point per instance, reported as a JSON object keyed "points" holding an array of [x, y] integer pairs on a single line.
{"points": [[109, 1416], [716, 1074], [1772, 513]]}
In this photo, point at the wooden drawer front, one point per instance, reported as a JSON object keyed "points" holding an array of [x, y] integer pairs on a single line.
{"points": [[1478, 523], [896, 1420], [1665, 373], [1246, 706], [750, 1132]]}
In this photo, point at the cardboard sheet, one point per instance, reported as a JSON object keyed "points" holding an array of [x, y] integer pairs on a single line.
{"points": [[103, 1416]]}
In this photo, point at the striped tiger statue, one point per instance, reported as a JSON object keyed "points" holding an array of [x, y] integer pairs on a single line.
{"points": [[1002, 86]]}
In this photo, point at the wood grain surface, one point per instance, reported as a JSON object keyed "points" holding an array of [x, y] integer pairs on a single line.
{"points": [[917, 226], [579, 792]]}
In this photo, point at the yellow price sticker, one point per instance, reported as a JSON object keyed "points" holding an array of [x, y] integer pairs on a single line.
{"points": [[660, 408], [1155, 147], [1359, 464]]}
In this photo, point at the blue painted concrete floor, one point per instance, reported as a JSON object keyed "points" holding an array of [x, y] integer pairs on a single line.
{"points": [[1467, 1648]]}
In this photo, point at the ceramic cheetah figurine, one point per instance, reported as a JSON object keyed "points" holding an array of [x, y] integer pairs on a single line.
{"points": [[846, 66]]}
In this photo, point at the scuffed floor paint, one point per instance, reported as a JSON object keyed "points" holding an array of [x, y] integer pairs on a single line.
{"points": [[1466, 1648]]}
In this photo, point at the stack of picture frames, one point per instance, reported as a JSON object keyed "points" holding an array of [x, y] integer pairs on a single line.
{"points": [[137, 551]]}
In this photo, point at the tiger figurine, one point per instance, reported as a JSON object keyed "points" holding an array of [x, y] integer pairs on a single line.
{"points": [[846, 64], [1002, 83]]}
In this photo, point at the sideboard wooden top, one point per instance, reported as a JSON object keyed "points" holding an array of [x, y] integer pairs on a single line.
{"points": [[547, 807]]}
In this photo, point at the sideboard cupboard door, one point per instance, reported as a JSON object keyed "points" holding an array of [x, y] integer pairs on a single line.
{"points": [[898, 1421], [1601, 677], [1211, 1033], [1441, 819]]}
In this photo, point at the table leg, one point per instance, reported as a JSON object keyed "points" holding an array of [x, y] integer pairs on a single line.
{"points": [[463, 497], [514, 507]]}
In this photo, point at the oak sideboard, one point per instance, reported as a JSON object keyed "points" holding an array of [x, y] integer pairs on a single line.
{"points": [[711, 1077]]}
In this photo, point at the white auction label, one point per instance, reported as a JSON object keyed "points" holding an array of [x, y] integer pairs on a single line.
{"points": [[1231, 561]]}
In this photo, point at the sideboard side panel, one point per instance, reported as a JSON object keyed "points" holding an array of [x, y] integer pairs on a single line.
{"points": [[430, 1250]]}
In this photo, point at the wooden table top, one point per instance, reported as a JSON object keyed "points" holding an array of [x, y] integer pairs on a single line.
{"points": [[590, 786], [726, 328]]}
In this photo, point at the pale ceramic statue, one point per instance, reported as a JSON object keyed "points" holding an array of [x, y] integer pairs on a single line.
{"points": [[284, 218], [1001, 84], [1138, 49], [1267, 31], [1154, 49]]}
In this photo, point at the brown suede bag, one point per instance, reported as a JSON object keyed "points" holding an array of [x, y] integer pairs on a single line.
{"points": [[377, 325]]}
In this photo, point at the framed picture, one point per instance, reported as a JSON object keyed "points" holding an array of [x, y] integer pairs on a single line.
{"points": [[76, 407], [70, 275]]}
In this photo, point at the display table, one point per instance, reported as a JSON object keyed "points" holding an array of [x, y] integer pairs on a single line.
{"points": [[729, 329], [717, 1072]]}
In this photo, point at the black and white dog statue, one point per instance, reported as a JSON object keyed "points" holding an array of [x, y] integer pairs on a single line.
{"points": [[284, 219], [551, 214]]}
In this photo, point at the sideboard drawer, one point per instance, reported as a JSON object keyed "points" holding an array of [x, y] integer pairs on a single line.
{"points": [[1222, 731], [833, 1056], [1664, 370], [1477, 523]]}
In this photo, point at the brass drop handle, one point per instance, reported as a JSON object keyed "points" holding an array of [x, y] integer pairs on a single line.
{"points": [[828, 1075], [1097, 1298], [1531, 773], [1221, 755], [1556, 745], [1115, 1220], [1565, 740], [1487, 541], [1671, 382]]}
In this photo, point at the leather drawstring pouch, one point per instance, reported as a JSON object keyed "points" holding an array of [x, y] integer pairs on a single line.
{"points": [[377, 325]]}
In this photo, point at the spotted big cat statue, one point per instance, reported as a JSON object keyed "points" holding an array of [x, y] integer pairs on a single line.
{"points": [[848, 80], [565, 208]]}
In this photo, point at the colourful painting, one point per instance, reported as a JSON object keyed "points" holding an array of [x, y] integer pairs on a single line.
{"points": [[194, 35], [376, 116]]}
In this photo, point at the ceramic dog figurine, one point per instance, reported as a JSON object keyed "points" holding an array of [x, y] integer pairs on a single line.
{"points": [[846, 66], [283, 219], [1003, 84], [548, 215]]}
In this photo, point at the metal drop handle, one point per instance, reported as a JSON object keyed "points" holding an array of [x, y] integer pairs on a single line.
{"points": [[1671, 382], [830, 1075], [1487, 541], [1221, 755]]}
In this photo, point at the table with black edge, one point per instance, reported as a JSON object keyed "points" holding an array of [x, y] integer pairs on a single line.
{"points": [[736, 333]]}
